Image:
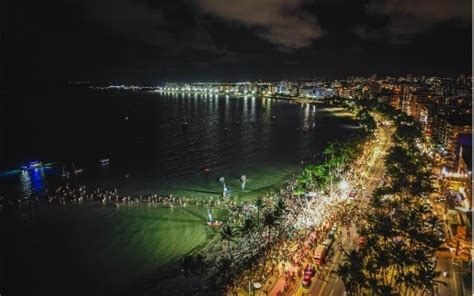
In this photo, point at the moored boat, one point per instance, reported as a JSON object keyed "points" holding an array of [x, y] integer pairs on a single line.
{"points": [[104, 161], [185, 123], [65, 173], [211, 222], [214, 223], [205, 168], [32, 165], [76, 170]]}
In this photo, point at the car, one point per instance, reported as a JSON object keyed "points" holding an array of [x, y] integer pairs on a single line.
{"points": [[310, 272]]}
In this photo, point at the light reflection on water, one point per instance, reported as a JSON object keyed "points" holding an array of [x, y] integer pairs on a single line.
{"points": [[25, 184], [233, 136], [37, 177], [32, 182]]}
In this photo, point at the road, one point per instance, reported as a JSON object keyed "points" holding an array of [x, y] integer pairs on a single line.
{"points": [[331, 284]]}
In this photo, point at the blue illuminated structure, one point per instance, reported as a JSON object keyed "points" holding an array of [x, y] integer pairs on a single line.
{"points": [[31, 165]]}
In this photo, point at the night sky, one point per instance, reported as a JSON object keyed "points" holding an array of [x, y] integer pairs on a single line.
{"points": [[162, 40]]}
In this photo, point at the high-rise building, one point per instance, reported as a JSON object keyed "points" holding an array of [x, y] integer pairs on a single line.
{"points": [[448, 135], [464, 154]]}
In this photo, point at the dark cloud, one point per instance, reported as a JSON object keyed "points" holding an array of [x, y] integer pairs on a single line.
{"points": [[130, 18], [158, 40], [159, 23], [409, 16], [281, 22], [365, 33]]}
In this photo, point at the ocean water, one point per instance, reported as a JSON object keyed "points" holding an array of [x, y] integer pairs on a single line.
{"points": [[102, 250]]}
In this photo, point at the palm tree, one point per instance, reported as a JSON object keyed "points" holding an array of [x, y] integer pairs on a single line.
{"points": [[321, 176], [435, 224], [330, 150], [227, 234], [280, 208], [366, 120], [269, 221], [420, 209], [259, 204], [426, 275], [407, 133], [351, 272], [304, 180], [337, 154], [247, 228]]}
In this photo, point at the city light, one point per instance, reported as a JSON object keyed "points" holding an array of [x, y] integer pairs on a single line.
{"points": [[343, 185], [237, 148]]}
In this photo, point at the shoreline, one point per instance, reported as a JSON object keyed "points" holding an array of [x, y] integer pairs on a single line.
{"points": [[257, 192], [298, 99]]}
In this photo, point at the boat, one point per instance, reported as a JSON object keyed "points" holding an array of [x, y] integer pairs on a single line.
{"points": [[65, 173], [185, 123], [214, 223], [211, 222], [104, 161], [32, 165], [205, 168]]}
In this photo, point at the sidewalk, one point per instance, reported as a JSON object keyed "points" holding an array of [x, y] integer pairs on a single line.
{"points": [[278, 288]]}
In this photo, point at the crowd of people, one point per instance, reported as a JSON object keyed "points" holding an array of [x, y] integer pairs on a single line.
{"points": [[67, 193], [307, 223]]}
